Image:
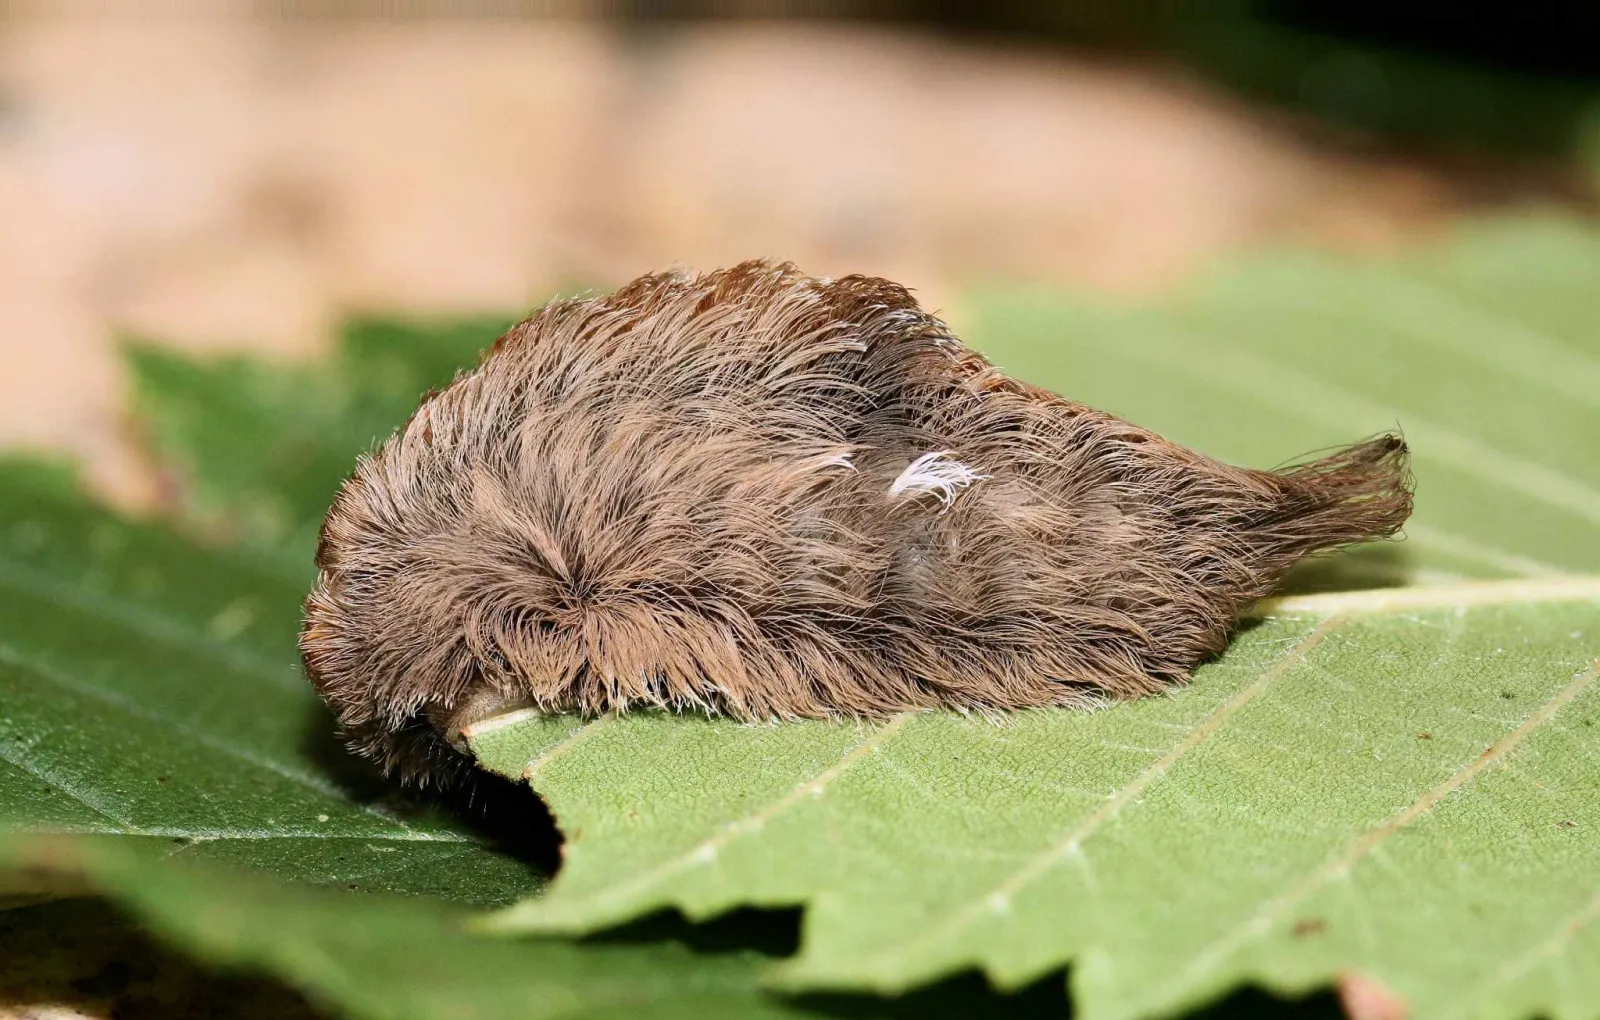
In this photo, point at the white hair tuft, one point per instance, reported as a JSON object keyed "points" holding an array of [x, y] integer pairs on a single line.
{"points": [[932, 472]]}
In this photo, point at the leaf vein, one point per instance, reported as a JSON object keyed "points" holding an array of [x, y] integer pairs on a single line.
{"points": [[1462, 547], [58, 784], [1513, 591], [567, 743], [706, 851], [117, 701], [1521, 965], [209, 835], [1375, 837], [1053, 855], [1316, 400]]}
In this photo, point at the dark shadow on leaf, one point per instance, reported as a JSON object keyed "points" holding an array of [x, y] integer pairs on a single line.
{"points": [[355, 778], [968, 994], [1253, 1003], [85, 955], [773, 933], [82, 955], [508, 816]]}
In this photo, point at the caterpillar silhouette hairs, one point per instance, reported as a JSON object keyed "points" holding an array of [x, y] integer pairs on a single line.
{"points": [[774, 496]]}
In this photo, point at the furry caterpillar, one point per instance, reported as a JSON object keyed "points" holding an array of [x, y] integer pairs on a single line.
{"points": [[774, 496]]}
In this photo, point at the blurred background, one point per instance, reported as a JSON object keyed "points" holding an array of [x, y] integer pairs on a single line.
{"points": [[234, 176]]}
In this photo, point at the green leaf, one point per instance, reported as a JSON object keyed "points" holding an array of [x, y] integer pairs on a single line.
{"points": [[150, 695], [400, 959], [1332, 795], [1399, 783], [1402, 785], [1486, 352], [263, 448]]}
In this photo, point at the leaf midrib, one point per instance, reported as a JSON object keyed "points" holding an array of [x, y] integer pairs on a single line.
{"points": [[1465, 594], [122, 704], [244, 835]]}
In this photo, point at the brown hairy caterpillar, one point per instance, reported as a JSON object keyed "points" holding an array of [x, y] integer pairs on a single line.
{"points": [[773, 496]]}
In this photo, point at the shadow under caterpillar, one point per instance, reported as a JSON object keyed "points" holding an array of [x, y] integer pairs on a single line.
{"points": [[774, 496]]}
